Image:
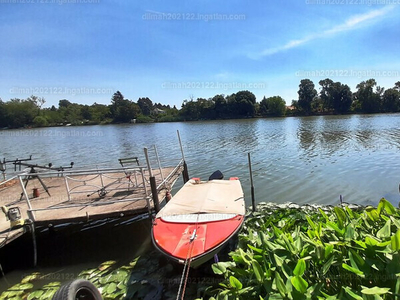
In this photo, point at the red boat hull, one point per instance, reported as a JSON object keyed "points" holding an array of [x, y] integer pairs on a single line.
{"points": [[176, 239]]}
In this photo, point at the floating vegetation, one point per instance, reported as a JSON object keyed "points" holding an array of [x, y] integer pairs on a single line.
{"points": [[284, 252], [314, 253], [24, 290]]}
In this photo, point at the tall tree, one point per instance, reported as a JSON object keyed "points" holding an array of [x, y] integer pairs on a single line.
{"points": [[64, 103], [116, 101], [264, 107], [146, 105], [220, 106], [242, 104], [274, 106], [368, 98], [3, 122], [326, 93], [190, 110], [20, 112], [342, 97], [391, 100], [306, 93], [99, 112]]}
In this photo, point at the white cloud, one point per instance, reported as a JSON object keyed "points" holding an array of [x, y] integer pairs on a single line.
{"points": [[348, 25]]}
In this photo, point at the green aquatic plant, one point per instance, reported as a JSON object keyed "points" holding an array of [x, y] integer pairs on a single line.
{"points": [[314, 253], [24, 289], [17, 291], [284, 252]]}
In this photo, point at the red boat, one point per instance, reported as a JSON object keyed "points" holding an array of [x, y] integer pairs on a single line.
{"points": [[199, 220]]}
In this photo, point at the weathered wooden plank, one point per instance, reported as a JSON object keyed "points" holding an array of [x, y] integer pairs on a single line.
{"points": [[93, 197]]}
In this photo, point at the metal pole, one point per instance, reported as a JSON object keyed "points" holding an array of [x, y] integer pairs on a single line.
{"points": [[159, 165], [253, 201], [67, 186], [31, 225], [26, 196], [185, 173], [180, 144], [153, 184]]}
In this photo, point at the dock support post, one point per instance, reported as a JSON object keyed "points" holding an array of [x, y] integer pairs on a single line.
{"points": [[253, 200], [154, 193], [153, 184], [185, 173], [31, 226]]}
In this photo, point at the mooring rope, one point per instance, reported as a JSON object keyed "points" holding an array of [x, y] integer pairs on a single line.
{"points": [[188, 260]]}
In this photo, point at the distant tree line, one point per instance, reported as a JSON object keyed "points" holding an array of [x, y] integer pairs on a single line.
{"points": [[333, 98], [337, 98], [17, 113]]}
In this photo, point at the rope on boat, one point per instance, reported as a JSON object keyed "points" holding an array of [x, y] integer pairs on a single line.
{"points": [[186, 267]]}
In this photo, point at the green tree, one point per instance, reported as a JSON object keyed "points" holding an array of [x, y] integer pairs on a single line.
{"points": [[116, 101], [220, 106], [246, 102], [264, 107], [391, 100], [100, 113], [273, 106], [40, 121], [3, 114], [326, 93], [86, 112], [367, 97], [336, 96], [306, 93], [70, 112], [317, 105], [126, 111], [20, 113], [190, 110], [53, 116], [241, 104], [342, 97], [64, 103], [206, 107], [146, 105], [123, 110]]}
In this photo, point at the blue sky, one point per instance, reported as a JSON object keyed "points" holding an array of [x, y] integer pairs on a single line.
{"points": [[172, 51]]}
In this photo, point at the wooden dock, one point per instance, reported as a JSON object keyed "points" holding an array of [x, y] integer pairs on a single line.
{"points": [[82, 195]]}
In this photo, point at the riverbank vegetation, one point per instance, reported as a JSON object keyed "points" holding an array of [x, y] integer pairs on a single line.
{"points": [[333, 98], [283, 252], [315, 253]]}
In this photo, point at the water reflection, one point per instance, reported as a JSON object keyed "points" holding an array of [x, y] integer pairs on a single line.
{"points": [[308, 159]]}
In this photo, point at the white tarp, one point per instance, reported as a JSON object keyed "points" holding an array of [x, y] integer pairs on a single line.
{"points": [[208, 197]]}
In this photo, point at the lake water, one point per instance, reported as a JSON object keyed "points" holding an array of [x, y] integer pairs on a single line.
{"points": [[302, 160]]}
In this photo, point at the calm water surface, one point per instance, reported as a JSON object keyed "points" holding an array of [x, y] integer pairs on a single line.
{"points": [[302, 160]]}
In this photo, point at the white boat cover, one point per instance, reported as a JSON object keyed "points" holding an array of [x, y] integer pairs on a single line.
{"points": [[206, 197]]}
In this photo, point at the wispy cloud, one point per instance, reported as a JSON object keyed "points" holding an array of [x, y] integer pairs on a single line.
{"points": [[350, 24]]}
